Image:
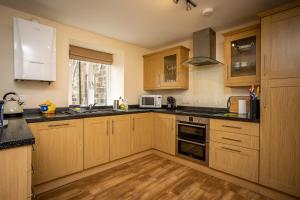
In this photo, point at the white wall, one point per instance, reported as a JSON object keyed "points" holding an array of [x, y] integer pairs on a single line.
{"points": [[128, 62], [206, 83]]}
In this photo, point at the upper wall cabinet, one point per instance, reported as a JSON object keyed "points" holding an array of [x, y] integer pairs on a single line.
{"points": [[242, 57], [34, 51], [164, 69]]}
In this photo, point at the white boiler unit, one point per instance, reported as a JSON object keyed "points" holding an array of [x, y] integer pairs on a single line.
{"points": [[34, 51]]}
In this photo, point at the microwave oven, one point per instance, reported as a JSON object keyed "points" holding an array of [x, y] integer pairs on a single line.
{"points": [[150, 101]]}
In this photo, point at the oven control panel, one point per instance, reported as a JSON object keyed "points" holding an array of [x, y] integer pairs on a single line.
{"points": [[192, 119]]}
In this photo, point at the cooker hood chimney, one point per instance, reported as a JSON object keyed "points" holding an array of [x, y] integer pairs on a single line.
{"points": [[204, 48]]}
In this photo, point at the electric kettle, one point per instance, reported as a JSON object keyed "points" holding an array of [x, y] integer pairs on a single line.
{"points": [[12, 104]]}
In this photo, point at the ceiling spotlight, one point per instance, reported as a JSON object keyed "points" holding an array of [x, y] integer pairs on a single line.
{"points": [[189, 4]]}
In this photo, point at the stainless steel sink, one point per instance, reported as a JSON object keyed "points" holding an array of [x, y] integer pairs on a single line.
{"points": [[86, 111]]}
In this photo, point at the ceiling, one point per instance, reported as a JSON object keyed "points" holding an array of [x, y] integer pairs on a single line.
{"points": [[146, 23]]}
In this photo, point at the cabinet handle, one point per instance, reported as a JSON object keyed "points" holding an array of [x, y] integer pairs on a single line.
{"points": [[112, 126], [264, 67], [265, 98], [107, 128], [226, 126], [32, 170], [227, 72], [238, 151], [57, 125], [226, 138], [133, 123]]}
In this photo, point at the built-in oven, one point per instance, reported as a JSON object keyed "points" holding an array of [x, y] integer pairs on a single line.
{"points": [[193, 138]]}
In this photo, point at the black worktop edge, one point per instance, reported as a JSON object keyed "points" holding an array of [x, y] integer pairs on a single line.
{"points": [[42, 118]]}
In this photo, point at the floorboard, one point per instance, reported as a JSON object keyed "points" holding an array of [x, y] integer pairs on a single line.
{"points": [[151, 178]]}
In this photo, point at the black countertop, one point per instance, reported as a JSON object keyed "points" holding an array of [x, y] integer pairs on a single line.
{"points": [[217, 114], [17, 133]]}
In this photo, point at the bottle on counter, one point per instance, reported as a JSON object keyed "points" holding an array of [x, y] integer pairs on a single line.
{"points": [[1, 114]]}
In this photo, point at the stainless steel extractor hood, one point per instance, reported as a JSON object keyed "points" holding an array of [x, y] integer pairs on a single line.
{"points": [[204, 48]]}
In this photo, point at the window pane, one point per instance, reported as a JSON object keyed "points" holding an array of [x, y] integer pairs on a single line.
{"points": [[90, 82]]}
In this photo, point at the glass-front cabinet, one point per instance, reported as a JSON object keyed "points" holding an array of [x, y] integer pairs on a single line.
{"points": [[242, 57], [164, 69]]}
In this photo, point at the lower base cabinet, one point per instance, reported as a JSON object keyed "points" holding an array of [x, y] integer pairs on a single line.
{"points": [[120, 137], [164, 133], [15, 173], [96, 141], [238, 161], [142, 131], [58, 149]]}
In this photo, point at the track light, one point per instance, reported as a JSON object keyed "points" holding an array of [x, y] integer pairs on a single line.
{"points": [[189, 4]]}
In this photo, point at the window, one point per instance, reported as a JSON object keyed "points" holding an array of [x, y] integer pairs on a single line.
{"points": [[90, 83], [90, 75]]}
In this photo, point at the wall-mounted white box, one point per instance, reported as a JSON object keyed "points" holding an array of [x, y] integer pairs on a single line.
{"points": [[34, 51]]}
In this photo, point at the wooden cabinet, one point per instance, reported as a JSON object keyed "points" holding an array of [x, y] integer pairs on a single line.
{"points": [[242, 57], [281, 44], [59, 149], [120, 137], [280, 135], [15, 173], [142, 132], [280, 99], [234, 148], [96, 141], [241, 162], [164, 69], [152, 72], [164, 133]]}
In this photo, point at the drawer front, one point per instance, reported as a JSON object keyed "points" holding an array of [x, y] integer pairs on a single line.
{"points": [[247, 128], [234, 160], [241, 140], [56, 124]]}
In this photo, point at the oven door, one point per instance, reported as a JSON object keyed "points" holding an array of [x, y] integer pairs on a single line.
{"points": [[194, 150], [192, 132]]}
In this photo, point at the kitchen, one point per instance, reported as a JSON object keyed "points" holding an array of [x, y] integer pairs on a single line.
{"points": [[145, 113]]}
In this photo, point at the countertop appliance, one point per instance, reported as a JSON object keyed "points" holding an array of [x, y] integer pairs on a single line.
{"points": [[204, 48], [150, 101], [171, 103], [12, 104], [193, 138]]}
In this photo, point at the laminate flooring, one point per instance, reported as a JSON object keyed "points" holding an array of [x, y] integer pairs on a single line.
{"points": [[151, 178]]}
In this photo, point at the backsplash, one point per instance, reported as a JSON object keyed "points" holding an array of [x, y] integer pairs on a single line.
{"points": [[206, 89]]}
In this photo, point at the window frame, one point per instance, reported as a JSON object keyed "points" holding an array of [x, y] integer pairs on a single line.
{"points": [[107, 88]]}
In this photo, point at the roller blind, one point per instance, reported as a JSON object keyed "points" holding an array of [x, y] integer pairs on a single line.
{"points": [[83, 54]]}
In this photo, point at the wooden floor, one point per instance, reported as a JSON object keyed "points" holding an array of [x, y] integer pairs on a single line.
{"points": [[153, 178]]}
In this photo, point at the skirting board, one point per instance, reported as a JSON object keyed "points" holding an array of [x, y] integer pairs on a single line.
{"points": [[276, 195]]}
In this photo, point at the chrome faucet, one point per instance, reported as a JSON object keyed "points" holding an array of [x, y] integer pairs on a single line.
{"points": [[91, 106]]}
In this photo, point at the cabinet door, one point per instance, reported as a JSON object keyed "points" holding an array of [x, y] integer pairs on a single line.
{"points": [[14, 173], [281, 44], [238, 161], [120, 137], [59, 149], [242, 57], [174, 74], [142, 131], [96, 141], [152, 71], [280, 135], [164, 133]]}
